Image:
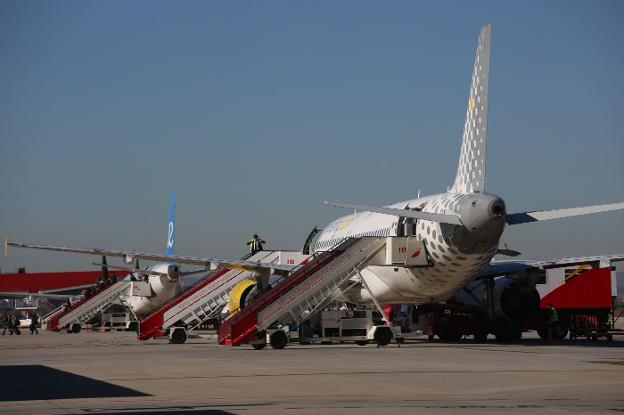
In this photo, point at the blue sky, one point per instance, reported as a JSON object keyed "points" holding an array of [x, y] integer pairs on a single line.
{"points": [[254, 112]]}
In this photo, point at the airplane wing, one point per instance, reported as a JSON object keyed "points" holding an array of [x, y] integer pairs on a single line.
{"points": [[48, 296], [146, 271], [405, 213], [128, 257], [505, 267], [541, 215]]}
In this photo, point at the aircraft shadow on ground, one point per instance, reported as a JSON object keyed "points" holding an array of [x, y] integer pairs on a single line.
{"points": [[174, 412], [37, 382]]}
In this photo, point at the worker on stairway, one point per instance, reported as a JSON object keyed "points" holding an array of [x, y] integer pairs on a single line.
{"points": [[255, 244]]}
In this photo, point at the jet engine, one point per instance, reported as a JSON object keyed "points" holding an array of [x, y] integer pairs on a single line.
{"points": [[518, 302], [515, 298], [241, 295], [173, 272]]}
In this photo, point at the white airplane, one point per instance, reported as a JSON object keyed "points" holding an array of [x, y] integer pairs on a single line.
{"points": [[461, 229], [164, 278]]}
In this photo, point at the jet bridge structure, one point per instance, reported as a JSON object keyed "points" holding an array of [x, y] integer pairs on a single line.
{"points": [[85, 309], [205, 299], [307, 289]]}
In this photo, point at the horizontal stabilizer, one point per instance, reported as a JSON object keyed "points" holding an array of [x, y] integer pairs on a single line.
{"points": [[541, 215], [403, 213]]}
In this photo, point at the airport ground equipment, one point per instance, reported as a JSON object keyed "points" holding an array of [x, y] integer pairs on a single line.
{"points": [[85, 309], [205, 299], [118, 318], [584, 297], [304, 292], [359, 326], [52, 315]]}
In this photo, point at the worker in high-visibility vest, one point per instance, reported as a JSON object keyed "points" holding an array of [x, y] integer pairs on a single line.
{"points": [[255, 244], [553, 321]]}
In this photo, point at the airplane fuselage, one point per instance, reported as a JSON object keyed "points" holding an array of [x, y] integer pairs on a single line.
{"points": [[162, 289], [457, 253]]}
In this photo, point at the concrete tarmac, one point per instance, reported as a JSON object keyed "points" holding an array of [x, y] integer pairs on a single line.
{"points": [[114, 373]]}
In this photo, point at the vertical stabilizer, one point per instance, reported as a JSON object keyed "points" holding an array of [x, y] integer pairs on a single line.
{"points": [[171, 228], [471, 170]]}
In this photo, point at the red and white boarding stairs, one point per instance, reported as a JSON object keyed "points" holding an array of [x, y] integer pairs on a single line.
{"points": [[305, 290], [85, 309], [206, 298]]}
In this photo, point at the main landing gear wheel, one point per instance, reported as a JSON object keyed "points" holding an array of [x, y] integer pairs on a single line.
{"points": [[279, 340], [258, 346], [383, 336], [361, 342], [178, 336]]}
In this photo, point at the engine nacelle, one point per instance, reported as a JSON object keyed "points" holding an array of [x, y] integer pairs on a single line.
{"points": [[515, 299], [173, 272], [519, 303]]}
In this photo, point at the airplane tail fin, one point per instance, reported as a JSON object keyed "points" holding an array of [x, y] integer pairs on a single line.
{"points": [[471, 170], [171, 228]]}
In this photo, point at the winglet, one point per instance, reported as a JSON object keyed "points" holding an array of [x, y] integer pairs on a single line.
{"points": [[5, 244]]}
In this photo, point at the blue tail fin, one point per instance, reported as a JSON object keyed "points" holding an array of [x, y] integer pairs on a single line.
{"points": [[171, 229]]}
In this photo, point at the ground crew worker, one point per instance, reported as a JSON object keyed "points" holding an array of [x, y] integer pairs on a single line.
{"points": [[255, 244], [34, 322], [5, 321], [553, 320], [15, 324]]}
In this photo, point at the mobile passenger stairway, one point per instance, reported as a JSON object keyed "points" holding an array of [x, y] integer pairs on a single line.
{"points": [[85, 309], [205, 299], [305, 291]]}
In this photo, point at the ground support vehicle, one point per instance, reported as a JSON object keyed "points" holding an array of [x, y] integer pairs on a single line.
{"points": [[311, 288], [334, 326], [585, 300]]}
